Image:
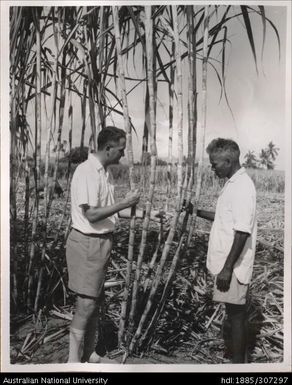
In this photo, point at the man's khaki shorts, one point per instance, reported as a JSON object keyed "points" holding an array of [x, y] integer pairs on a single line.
{"points": [[87, 260], [237, 293]]}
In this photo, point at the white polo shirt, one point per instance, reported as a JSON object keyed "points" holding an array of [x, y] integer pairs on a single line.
{"points": [[235, 211], [93, 186]]}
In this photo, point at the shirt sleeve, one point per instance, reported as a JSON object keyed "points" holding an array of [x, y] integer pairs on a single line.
{"points": [[86, 190], [244, 207]]}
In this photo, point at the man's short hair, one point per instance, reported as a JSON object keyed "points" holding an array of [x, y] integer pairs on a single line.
{"points": [[109, 135], [221, 145]]}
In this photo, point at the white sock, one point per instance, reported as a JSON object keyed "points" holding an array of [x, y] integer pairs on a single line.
{"points": [[76, 338], [94, 358]]}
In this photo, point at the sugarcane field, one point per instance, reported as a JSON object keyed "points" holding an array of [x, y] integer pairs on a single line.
{"points": [[161, 73]]}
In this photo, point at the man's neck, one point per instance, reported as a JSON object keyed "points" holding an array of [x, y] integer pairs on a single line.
{"points": [[100, 156], [235, 168]]}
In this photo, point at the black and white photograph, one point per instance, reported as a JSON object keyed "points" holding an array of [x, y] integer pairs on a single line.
{"points": [[145, 186]]}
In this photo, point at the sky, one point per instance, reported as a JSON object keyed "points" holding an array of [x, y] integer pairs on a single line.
{"points": [[257, 100]]}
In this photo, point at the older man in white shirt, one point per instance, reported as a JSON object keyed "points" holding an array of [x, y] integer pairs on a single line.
{"points": [[232, 240]]}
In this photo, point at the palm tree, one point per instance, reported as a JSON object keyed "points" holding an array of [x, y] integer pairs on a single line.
{"points": [[265, 160], [268, 156], [272, 150], [251, 160]]}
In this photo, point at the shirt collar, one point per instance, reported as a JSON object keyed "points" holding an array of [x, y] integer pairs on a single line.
{"points": [[237, 174], [95, 162]]}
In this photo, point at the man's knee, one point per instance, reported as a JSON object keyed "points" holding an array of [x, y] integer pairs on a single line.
{"points": [[86, 307], [234, 310]]}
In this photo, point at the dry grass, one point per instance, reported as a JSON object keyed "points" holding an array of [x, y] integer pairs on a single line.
{"points": [[271, 181], [190, 328], [191, 325]]}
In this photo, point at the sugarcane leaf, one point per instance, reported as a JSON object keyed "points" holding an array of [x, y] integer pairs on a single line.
{"points": [[217, 74], [91, 10], [69, 37], [223, 56], [223, 72], [15, 22], [123, 24], [262, 11], [218, 30], [249, 32], [274, 28], [108, 59], [137, 27], [127, 34], [137, 33], [115, 70], [118, 103], [198, 24], [75, 70], [161, 66], [127, 77], [158, 11], [46, 21], [166, 48]]}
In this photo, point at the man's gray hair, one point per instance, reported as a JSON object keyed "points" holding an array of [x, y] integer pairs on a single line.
{"points": [[221, 145]]}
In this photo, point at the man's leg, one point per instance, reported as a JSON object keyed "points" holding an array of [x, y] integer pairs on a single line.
{"points": [[89, 354], [237, 317], [85, 308]]}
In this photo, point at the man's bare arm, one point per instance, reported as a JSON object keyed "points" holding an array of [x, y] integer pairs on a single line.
{"points": [[224, 277], [95, 214], [156, 215]]}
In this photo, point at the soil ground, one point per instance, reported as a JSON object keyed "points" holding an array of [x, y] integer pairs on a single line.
{"points": [[209, 346]]}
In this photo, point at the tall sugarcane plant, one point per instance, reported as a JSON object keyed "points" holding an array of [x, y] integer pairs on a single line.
{"points": [[153, 151], [88, 61], [121, 76]]}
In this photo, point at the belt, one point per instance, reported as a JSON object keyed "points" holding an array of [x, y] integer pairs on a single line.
{"points": [[94, 235]]}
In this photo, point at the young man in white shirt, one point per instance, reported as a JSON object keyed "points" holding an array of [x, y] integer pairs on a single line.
{"points": [[89, 244], [232, 241]]}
